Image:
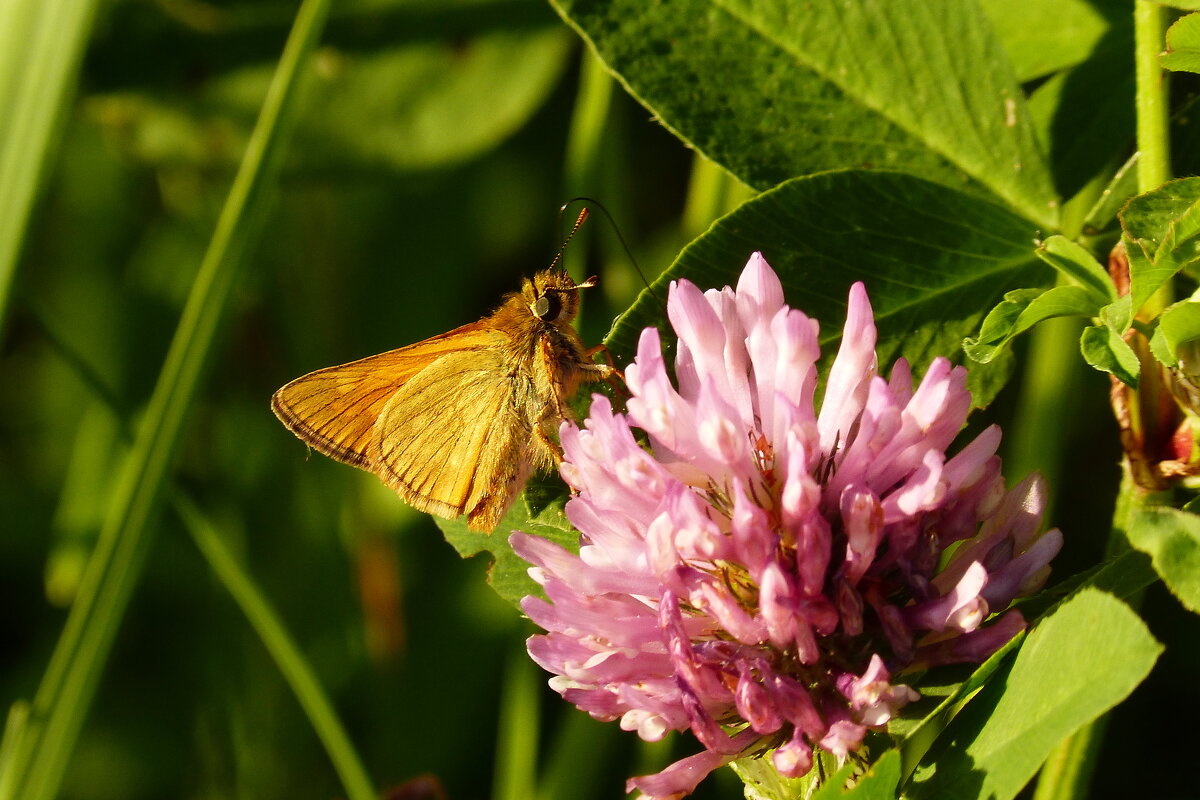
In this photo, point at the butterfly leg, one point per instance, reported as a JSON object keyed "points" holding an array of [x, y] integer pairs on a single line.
{"points": [[549, 451], [607, 372]]}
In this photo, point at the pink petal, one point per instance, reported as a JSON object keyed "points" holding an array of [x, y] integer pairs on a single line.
{"points": [[851, 373]]}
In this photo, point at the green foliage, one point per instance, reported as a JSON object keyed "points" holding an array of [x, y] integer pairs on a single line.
{"points": [[1079, 267], [1020, 310], [1003, 736], [41, 45], [879, 782], [39, 755], [1172, 539], [927, 89], [1183, 45], [1044, 37], [1162, 230], [415, 105], [1103, 348], [1178, 325], [825, 232], [509, 573], [966, 160], [1161, 239]]}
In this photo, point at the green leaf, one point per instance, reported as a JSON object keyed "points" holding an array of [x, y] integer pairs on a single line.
{"points": [[1061, 301], [931, 259], [1121, 187], [791, 89], [998, 742], [1162, 229], [1172, 539], [879, 782], [1019, 312], [1183, 45], [414, 106], [1084, 115], [1145, 277], [1104, 349], [998, 325], [1118, 314], [916, 739], [1181, 246], [1161, 349], [1123, 576], [1078, 266], [1045, 36], [1177, 325], [761, 781], [509, 574], [824, 782], [1150, 216]]}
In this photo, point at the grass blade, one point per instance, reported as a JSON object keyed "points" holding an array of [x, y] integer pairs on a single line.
{"points": [[64, 696], [242, 588], [274, 636], [41, 46]]}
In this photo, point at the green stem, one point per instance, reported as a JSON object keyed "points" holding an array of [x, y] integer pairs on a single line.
{"points": [[62, 701], [283, 650], [517, 742], [1154, 162], [1067, 772], [1049, 382]]}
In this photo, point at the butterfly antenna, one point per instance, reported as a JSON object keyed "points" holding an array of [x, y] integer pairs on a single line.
{"points": [[616, 230], [574, 230]]}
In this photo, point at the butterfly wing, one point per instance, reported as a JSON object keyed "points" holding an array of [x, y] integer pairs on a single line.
{"points": [[334, 410], [456, 437]]}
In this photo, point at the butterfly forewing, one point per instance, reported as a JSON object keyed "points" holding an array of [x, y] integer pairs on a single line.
{"points": [[334, 410]]}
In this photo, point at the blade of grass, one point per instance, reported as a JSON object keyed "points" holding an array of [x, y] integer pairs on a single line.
{"points": [[580, 757], [274, 636], [586, 135], [712, 192], [237, 581], [41, 46], [64, 696]]}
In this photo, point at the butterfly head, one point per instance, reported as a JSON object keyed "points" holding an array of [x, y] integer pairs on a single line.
{"points": [[553, 296]]}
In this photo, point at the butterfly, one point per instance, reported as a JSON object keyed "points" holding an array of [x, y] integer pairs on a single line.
{"points": [[457, 423]]}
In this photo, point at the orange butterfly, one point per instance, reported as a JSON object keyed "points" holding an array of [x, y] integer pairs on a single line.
{"points": [[456, 423]]}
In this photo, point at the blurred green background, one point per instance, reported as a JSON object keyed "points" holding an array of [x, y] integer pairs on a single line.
{"points": [[435, 142], [434, 147]]}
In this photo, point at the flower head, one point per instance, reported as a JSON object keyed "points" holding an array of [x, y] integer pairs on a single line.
{"points": [[760, 572]]}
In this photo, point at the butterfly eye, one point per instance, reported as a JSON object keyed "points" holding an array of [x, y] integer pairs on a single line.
{"points": [[548, 307]]}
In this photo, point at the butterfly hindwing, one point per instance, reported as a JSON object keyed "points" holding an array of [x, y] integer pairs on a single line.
{"points": [[456, 438]]}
